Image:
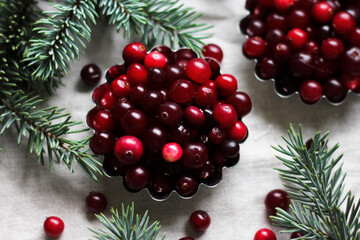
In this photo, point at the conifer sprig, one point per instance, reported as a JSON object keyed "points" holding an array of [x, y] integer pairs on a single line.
{"points": [[127, 226], [63, 38], [44, 130], [316, 188]]}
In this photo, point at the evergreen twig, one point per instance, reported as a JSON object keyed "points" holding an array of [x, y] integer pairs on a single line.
{"points": [[44, 129], [316, 188], [127, 226]]}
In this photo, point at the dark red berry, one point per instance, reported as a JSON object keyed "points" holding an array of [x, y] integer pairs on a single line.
{"points": [[226, 84], [54, 226], [137, 74], [230, 148], [213, 51], [298, 18], [186, 185], [241, 102], [151, 102], [265, 234], [91, 74], [157, 78], [334, 90], [194, 155], [134, 122], [217, 135], [99, 92], [200, 220], [137, 93], [120, 88], [136, 178], [254, 47], [102, 143], [277, 199], [103, 121], [114, 72], [181, 91], [96, 202], [134, 52], [354, 37], [194, 117], [170, 113], [332, 48], [205, 96], [281, 52], [90, 116], [350, 61], [128, 149], [267, 68], [154, 138], [343, 23], [296, 235], [310, 91], [225, 115]]}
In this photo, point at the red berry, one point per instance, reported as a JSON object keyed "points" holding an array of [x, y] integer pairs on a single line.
{"points": [[170, 113], [99, 92], [120, 88], [267, 3], [155, 59], [241, 102], [277, 199], [213, 51], [54, 226], [137, 93], [265, 234], [283, 5], [322, 12], [205, 96], [134, 122], [332, 48], [134, 52], [350, 83], [102, 143], [254, 47], [181, 91], [343, 23], [296, 235], [198, 70], [226, 84], [355, 37], [137, 74], [186, 185], [238, 131], [217, 135], [194, 155], [108, 101], [297, 38], [103, 121], [200, 220], [91, 74], [96, 202], [136, 178], [310, 91], [128, 149], [90, 116], [194, 117], [172, 152], [225, 115], [115, 72]]}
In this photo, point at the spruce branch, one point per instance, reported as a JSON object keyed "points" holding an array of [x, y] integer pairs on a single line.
{"points": [[165, 21], [316, 188], [127, 226], [63, 38], [44, 129]]}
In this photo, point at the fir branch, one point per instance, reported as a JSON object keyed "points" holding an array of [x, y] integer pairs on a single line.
{"points": [[64, 37], [165, 21], [127, 226], [45, 129], [316, 186]]}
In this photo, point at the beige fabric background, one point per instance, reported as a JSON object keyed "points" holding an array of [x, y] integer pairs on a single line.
{"points": [[29, 192]]}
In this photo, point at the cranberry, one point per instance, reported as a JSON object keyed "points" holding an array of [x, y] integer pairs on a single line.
{"points": [[241, 102], [276, 24], [194, 155], [103, 121], [254, 47], [96, 202], [229, 148], [205, 96], [301, 65], [225, 114], [120, 88], [267, 3], [108, 101], [238, 131], [256, 28], [154, 59], [282, 52], [99, 92], [102, 143], [156, 78], [54, 226], [167, 52], [114, 72], [136, 178], [184, 54], [181, 91], [296, 235], [151, 102], [277, 199], [134, 52], [200, 220], [90, 116], [186, 185], [128, 149], [332, 48], [312, 47], [170, 113], [355, 37], [154, 138], [350, 83], [173, 73], [180, 134], [160, 187], [322, 12], [137, 74], [298, 19], [274, 36], [217, 135], [194, 117], [91, 74], [134, 122], [112, 167], [265, 234], [283, 5], [172, 152], [226, 84], [334, 90], [198, 70], [213, 51], [350, 61], [297, 38], [137, 93], [310, 91], [267, 68], [343, 23]]}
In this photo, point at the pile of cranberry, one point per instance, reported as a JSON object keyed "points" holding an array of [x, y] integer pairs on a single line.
{"points": [[168, 120], [307, 46]]}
